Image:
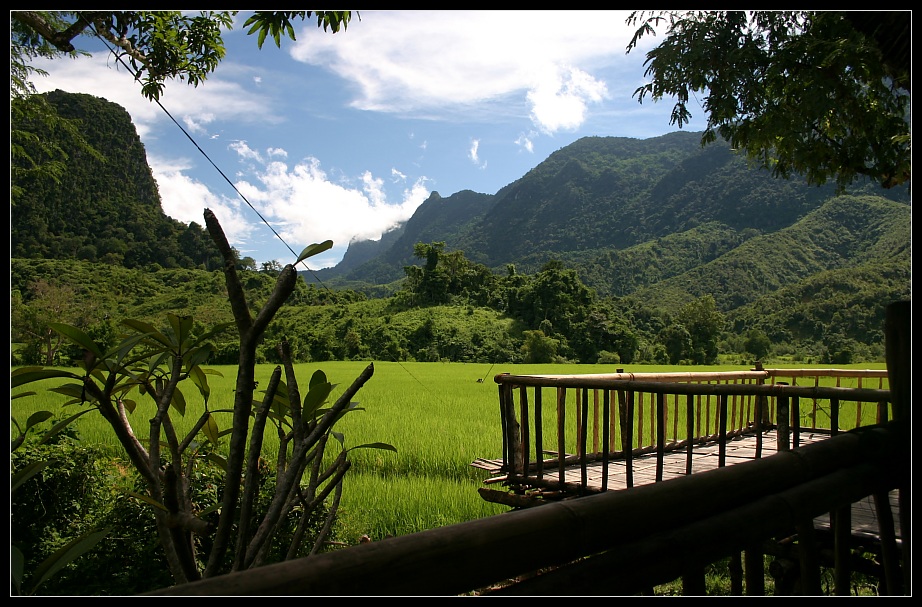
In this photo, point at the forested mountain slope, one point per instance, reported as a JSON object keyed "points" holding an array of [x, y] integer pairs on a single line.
{"points": [[104, 209], [601, 195], [846, 232]]}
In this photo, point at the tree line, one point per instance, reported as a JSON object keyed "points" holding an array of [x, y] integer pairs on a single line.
{"points": [[447, 308]]}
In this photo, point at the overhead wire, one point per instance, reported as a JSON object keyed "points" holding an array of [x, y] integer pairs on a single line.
{"points": [[137, 78]]}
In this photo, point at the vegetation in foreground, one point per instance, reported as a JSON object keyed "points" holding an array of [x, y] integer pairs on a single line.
{"points": [[438, 416]]}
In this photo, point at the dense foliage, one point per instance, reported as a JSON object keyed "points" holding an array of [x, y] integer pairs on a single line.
{"points": [[108, 208], [822, 293], [823, 94], [86, 488]]}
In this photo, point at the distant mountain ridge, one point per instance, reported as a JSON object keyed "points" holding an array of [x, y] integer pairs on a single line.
{"points": [[598, 198]]}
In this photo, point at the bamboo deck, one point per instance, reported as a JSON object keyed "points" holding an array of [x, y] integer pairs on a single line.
{"points": [[704, 457]]}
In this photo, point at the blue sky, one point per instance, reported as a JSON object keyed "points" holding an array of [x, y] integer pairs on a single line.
{"points": [[342, 136]]}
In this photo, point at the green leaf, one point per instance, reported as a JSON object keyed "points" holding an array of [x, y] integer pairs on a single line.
{"points": [[78, 337], [27, 472], [314, 249], [17, 566], [72, 390], [37, 418], [66, 554], [182, 327], [148, 330], [61, 425], [148, 500], [179, 401], [316, 396], [201, 382], [381, 446], [197, 356], [217, 459], [319, 377], [125, 346], [26, 375], [210, 509], [22, 395], [211, 429], [130, 405]]}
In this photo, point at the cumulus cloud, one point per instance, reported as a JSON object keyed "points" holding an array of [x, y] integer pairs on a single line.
{"points": [[305, 206], [422, 62], [185, 199], [559, 102], [536, 72]]}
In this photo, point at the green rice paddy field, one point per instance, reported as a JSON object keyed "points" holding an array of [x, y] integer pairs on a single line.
{"points": [[438, 416]]}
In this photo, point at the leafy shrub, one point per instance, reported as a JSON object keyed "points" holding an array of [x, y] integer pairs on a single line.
{"points": [[88, 488]]}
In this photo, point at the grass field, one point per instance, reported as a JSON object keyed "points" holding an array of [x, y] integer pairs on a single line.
{"points": [[438, 416]]}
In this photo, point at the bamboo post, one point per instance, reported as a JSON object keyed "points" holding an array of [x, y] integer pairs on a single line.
{"points": [[783, 421], [505, 411], [660, 434], [606, 415], [754, 570], [583, 432], [539, 434], [689, 431], [736, 574], [808, 550], [561, 438], [595, 421], [722, 431], [898, 346], [693, 582], [841, 520], [888, 551], [627, 438], [523, 415]]}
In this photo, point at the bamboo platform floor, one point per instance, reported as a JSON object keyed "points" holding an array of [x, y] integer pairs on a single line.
{"points": [[704, 457]]}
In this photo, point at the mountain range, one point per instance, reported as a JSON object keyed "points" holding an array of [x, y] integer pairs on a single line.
{"points": [[664, 219]]}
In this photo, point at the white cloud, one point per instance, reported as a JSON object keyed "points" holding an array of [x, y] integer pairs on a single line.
{"points": [[559, 101], [472, 153], [305, 207], [195, 107], [185, 199], [525, 142], [244, 151], [422, 62], [537, 72]]}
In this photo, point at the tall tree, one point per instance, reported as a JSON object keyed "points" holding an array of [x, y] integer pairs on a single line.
{"points": [[822, 94]]}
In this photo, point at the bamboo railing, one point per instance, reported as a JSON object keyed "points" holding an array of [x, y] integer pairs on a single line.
{"points": [[598, 418]]}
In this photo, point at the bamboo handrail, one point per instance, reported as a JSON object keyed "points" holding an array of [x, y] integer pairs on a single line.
{"points": [[660, 385], [722, 511]]}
